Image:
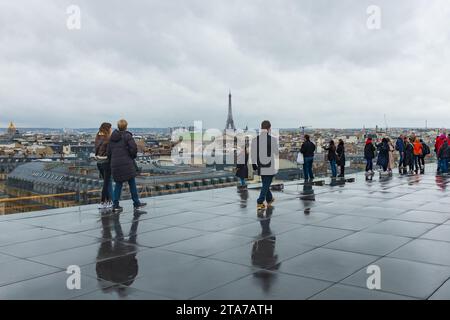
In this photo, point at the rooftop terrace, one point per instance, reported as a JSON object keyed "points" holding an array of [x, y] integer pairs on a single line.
{"points": [[316, 243]]}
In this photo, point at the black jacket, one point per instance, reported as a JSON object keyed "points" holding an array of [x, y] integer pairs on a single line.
{"points": [[242, 168], [340, 155], [122, 150], [409, 153], [331, 153], [369, 151], [308, 149]]}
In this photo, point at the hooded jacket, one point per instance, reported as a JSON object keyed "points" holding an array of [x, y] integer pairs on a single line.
{"points": [[400, 145], [369, 150], [122, 150], [439, 142]]}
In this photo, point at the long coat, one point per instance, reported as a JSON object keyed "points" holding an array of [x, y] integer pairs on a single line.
{"points": [[391, 156], [122, 150], [340, 155], [383, 156]]}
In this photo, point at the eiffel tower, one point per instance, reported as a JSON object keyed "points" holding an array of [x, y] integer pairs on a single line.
{"points": [[230, 122]]}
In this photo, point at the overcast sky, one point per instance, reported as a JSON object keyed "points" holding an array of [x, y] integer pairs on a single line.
{"points": [[163, 63]]}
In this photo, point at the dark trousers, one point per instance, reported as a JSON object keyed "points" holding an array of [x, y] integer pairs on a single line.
{"points": [[417, 164], [422, 161], [105, 174], [402, 162], [369, 164], [133, 191], [342, 170], [307, 168], [265, 190]]}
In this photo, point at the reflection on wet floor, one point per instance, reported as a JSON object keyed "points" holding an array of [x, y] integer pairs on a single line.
{"points": [[116, 259], [315, 242]]}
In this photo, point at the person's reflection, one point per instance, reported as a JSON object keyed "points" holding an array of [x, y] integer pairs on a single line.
{"points": [[306, 196], [244, 197], [116, 258], [264, 256], [441, 183]]}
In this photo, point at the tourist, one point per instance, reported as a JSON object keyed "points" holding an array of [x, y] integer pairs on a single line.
{"points": [[400, 147], [264, 154], [242, 166], [418, 152], [307, 149], [103, 163], [383, 154], [391, 164], [122, 151], [437, 146], [409, 154], [425, 152], [369, 154], [444, 157], [332, 157], [341, 157]]}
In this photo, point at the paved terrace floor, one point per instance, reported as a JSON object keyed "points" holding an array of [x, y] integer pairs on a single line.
{"points": [[315, 244]]}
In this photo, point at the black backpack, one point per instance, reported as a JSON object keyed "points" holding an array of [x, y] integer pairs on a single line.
{"points": [[426, 149]]}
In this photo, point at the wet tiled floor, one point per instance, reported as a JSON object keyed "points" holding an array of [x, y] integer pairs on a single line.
{"points": [[316, 243]]}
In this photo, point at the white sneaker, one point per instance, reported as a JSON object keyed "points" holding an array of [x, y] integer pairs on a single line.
{"points": [[101, 205], [109, 205]]}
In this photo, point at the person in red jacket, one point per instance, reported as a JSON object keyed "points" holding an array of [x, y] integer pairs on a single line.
{"points": [[437, 146]]}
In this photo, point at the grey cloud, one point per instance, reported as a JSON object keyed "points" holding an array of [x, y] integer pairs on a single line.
{"points": [[164, 63]]}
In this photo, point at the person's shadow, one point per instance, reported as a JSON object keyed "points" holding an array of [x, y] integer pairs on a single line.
{"points": [[264, 257], [116, 258]]}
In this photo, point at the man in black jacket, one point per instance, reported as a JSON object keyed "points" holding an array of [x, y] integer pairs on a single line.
{"points": [[122, 152], [308, 148]]}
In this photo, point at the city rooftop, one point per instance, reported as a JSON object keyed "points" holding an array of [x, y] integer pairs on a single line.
{"points": [[316, 243]]}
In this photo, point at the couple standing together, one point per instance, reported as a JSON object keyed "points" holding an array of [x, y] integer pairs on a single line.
{"points": [[116, 152]]}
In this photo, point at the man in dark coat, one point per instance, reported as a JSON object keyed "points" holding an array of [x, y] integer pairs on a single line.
{"points": [[307, 149], [122, 152]]}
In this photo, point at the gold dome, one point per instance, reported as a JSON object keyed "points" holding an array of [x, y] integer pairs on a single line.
{"points": [[12, 126]]}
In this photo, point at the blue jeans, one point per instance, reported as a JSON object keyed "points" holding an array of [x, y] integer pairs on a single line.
{"points": [[443, 165], [133, 191], [307, 168], [369, 164], [333, 168], [265, 190], [242, 181]]}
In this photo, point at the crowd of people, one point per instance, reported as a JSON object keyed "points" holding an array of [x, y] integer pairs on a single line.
{"points": [[116, 151]]}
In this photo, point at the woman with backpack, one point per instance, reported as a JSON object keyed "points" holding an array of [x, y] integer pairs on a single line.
{"points": [[332, 157], [103, 163], [425, 151]]}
